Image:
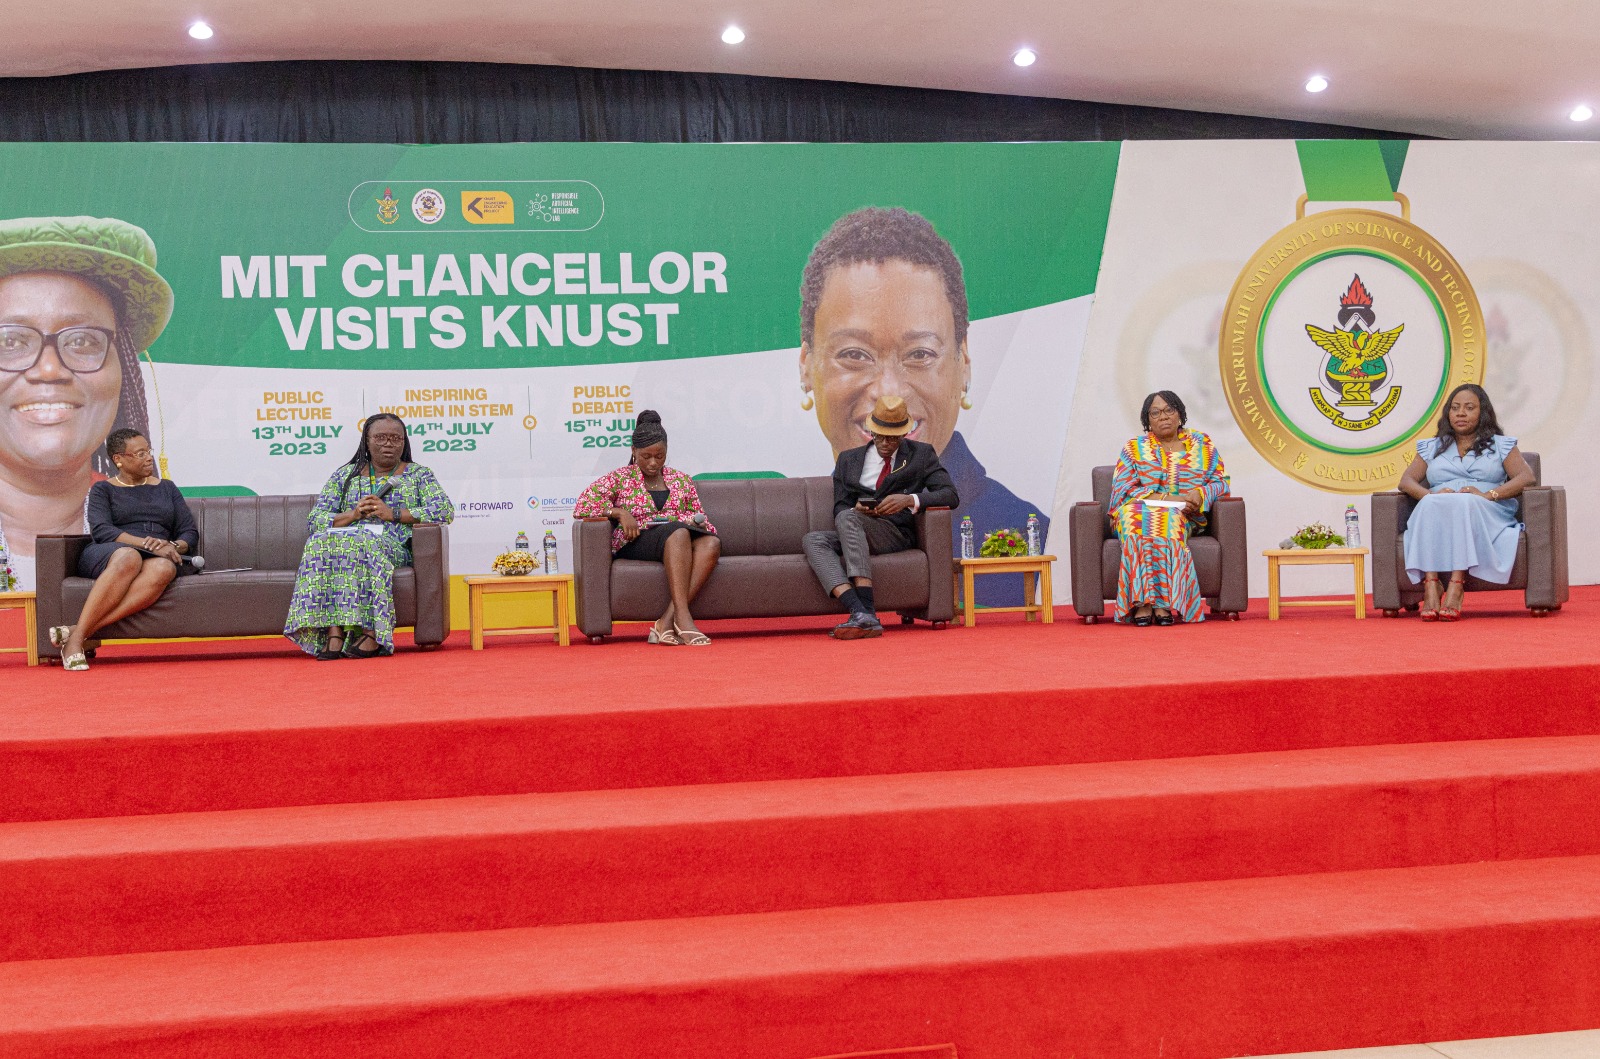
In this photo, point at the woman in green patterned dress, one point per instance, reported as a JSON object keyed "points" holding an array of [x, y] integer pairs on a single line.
{"points": [[343, 604]]}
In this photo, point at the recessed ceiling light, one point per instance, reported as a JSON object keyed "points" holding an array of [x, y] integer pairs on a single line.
{"points": [[1317, 84], [1581, 112], [200, 31], [733, 35], [1025, 57]]}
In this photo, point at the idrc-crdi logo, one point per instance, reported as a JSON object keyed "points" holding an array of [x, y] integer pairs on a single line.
{"points": [[1339, 342]]}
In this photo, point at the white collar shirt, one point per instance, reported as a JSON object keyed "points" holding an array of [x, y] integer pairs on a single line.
{"points": [[871, 467]]}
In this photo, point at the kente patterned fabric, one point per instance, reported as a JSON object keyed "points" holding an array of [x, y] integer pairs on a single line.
{"points": [[624, 487], [1157, 568], [346, 577]]}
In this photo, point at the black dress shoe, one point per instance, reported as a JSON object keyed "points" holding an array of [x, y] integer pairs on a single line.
{"points": [[1166, 619]]}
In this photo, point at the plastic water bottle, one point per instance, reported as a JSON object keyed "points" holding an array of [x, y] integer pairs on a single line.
{"points": [[551, 566], [1352, 527], [1035, 545], [967, 551], [522, 541]]}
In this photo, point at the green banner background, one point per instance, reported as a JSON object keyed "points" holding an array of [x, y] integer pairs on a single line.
{"points": [[1027, 220]]}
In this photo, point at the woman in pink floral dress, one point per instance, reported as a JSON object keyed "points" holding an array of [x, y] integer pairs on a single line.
{"points": [[657, 518]]}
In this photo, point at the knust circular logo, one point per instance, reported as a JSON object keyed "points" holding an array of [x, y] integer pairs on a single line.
{"points": [[1340, 341]]}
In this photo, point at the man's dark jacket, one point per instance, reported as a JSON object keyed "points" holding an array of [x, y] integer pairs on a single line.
{"points": [[914, 469]]}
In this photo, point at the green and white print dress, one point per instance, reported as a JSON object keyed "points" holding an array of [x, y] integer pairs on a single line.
{"points": [[346, 576]]}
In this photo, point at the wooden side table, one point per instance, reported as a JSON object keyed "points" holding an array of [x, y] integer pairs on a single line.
{"points": [[479, 585], [1276, 557], [1035, 571], [25, 602]]}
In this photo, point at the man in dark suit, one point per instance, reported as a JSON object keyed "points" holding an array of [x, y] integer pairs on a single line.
{"points": [[877, 491]]}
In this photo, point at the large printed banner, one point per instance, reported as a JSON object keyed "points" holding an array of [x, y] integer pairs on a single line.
{"points": [[1311, 302], [519, 304]]}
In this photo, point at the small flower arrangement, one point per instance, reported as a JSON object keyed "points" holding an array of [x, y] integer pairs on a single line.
{"points": [[1316, 535], [518, 563], [1004, 543]]}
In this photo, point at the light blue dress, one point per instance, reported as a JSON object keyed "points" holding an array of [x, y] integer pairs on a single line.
{"points": [[1462, 531]]}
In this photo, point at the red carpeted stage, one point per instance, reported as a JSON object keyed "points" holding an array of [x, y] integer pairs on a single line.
{"points": [[1026, 841]]}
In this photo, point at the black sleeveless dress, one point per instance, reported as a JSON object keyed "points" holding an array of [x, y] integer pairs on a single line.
{"points": [[156, 509]]}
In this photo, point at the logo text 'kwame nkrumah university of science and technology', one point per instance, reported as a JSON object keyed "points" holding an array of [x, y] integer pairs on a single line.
{"points": [[1339, 342]]}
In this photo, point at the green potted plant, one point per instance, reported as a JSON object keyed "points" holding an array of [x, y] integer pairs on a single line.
{"points": [[1004, 543]]}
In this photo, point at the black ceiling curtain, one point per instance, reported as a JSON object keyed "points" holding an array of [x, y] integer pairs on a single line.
{"points": [[441, 102]]}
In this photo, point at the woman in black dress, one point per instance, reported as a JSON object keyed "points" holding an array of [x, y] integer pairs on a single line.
{"points": [[142, 530]]}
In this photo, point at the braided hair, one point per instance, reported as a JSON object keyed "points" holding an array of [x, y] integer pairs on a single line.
{"points": [[133, 410], [647, 430], [363, 457]]}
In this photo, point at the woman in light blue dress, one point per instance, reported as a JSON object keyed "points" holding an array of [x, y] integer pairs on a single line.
{"points": [[1465, 481]]}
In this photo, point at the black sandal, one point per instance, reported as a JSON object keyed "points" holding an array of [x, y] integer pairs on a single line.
{"points": [[356, 652], [1166, 619], [329, 653], [1143, 620]]}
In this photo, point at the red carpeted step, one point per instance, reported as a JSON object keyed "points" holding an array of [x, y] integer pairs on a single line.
{"points": [[1187, 971], [88, 887], [303, 738]]}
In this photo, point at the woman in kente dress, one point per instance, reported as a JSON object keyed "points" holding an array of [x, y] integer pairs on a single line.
{"points": [[658, 519], [142, 531], [1168, 463], [343, 605], [1466, 481]]}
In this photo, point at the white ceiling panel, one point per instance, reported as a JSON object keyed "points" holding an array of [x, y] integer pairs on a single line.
{"points": [[1464, 68]]}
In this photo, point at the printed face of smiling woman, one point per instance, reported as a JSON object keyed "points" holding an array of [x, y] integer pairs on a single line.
{"points": [[51, 419], [885, 329]]}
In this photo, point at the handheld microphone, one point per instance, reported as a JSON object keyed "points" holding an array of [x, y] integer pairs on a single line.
{"points": [[198, 563], [699, 518], [383, 490]]}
